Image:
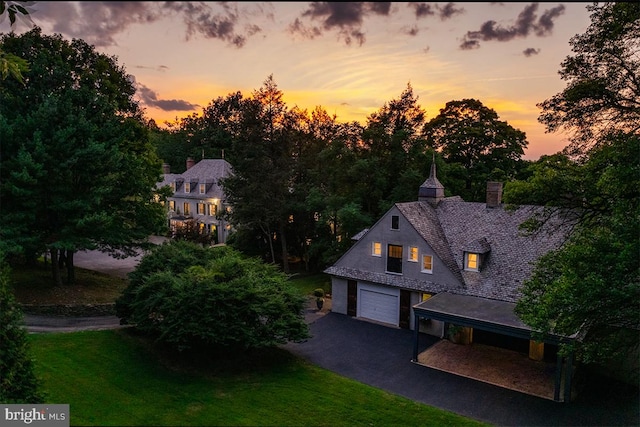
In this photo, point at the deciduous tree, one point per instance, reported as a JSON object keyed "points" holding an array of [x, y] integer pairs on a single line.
{"points": [[603, 79], [592, 284], [470, 134]]}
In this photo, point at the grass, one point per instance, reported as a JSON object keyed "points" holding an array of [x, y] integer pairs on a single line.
{"points": [[114, 378], [307, 283], [117, 378], [34, 285]]}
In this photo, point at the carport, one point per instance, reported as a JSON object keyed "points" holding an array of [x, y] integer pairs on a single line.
{"points": [[492, 316]]}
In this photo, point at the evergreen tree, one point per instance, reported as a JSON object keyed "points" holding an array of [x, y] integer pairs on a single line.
{"points": [[18, 382]]}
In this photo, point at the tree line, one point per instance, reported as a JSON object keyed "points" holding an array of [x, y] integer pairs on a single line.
{"points": [[305, 183]]}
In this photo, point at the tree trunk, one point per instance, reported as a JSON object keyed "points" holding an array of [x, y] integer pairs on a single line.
{"points": [[71, 270], [55, 268], [270, 240], [285, 253]]}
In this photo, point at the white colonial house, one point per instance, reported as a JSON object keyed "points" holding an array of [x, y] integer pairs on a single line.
{"points": [[198, 197]]}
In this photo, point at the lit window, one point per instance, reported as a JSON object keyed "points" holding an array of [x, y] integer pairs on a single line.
{"points": [[427, 264], [187, 208], [394, 259], [212, 209], [203, 188], [471, 261], [201, 208], [173, 186], [395, 222], [413, 254], [172, 205], [376, 249], [425, 297], [187, 187]]}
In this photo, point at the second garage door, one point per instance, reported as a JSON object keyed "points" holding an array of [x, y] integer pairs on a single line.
{"points": [[379, 304]]}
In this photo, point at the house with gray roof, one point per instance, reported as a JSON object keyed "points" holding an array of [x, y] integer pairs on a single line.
{"points": [[199, 197], [441, 261]]}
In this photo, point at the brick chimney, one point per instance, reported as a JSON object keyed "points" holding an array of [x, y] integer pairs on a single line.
{"points": [[494, 194], [190, 162], [166, 168]]}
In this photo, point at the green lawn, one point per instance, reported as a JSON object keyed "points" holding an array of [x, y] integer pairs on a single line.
{"points": [[112, 378], [307, 283]]}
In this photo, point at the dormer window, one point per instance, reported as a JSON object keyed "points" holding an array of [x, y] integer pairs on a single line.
{"points": [[395, 222], [203, 188], [187, 187], [476, 254], [471, 261], [173, 186]]}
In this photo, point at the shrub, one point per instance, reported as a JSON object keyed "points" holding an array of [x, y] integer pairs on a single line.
{"points": [[221, 301]]}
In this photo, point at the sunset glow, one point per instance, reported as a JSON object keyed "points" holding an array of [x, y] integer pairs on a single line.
{"points": [[348, 58]]}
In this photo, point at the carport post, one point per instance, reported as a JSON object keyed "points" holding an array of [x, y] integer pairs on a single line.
{"points": [[568, 373], [556, 386], [416, 331]]}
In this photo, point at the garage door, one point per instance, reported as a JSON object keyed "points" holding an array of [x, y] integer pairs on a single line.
{"points": [[378, 305]]}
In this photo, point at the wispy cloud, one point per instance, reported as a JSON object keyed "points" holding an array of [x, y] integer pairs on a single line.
{"points": [[345, 18], [98, 23], [526, 23], [530, 51], [150, 98]]}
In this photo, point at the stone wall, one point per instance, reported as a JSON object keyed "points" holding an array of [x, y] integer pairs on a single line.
{"points": [[85, 310]]}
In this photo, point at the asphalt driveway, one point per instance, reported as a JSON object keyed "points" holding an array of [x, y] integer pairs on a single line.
{"points": [[380, 356]]}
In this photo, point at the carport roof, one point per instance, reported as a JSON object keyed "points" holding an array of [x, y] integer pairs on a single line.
{"points": [[476, 312]]}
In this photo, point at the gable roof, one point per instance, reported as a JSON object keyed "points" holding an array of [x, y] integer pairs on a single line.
{"points": [[454, 227]]}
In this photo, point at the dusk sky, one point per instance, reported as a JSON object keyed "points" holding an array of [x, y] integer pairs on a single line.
{"points": [[349, 58]]}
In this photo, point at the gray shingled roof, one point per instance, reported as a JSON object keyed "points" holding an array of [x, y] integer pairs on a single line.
{"points": [[207, 171], [393, 280], [512, 254], [456, 226]]}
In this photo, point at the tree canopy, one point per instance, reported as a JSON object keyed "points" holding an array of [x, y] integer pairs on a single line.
{"points": [[471, 135], [77, 169], [603, 79], [592, 284]]}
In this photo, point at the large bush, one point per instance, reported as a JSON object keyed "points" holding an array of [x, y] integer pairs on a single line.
{"points": [[192, 297], [18, 383]]}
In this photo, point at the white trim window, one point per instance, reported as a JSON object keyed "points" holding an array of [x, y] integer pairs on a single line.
{"points": [[471, 261], [413, 254], [203, 188], [395, 222], [201, 207], [187, 187], [376, 249], [394, 259], [427, 264]]}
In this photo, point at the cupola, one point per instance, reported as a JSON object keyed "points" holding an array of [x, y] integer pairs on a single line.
{"points": [[431, 191]]}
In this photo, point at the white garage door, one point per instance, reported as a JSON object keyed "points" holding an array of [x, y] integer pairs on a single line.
{"points": [[378, 305]]}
